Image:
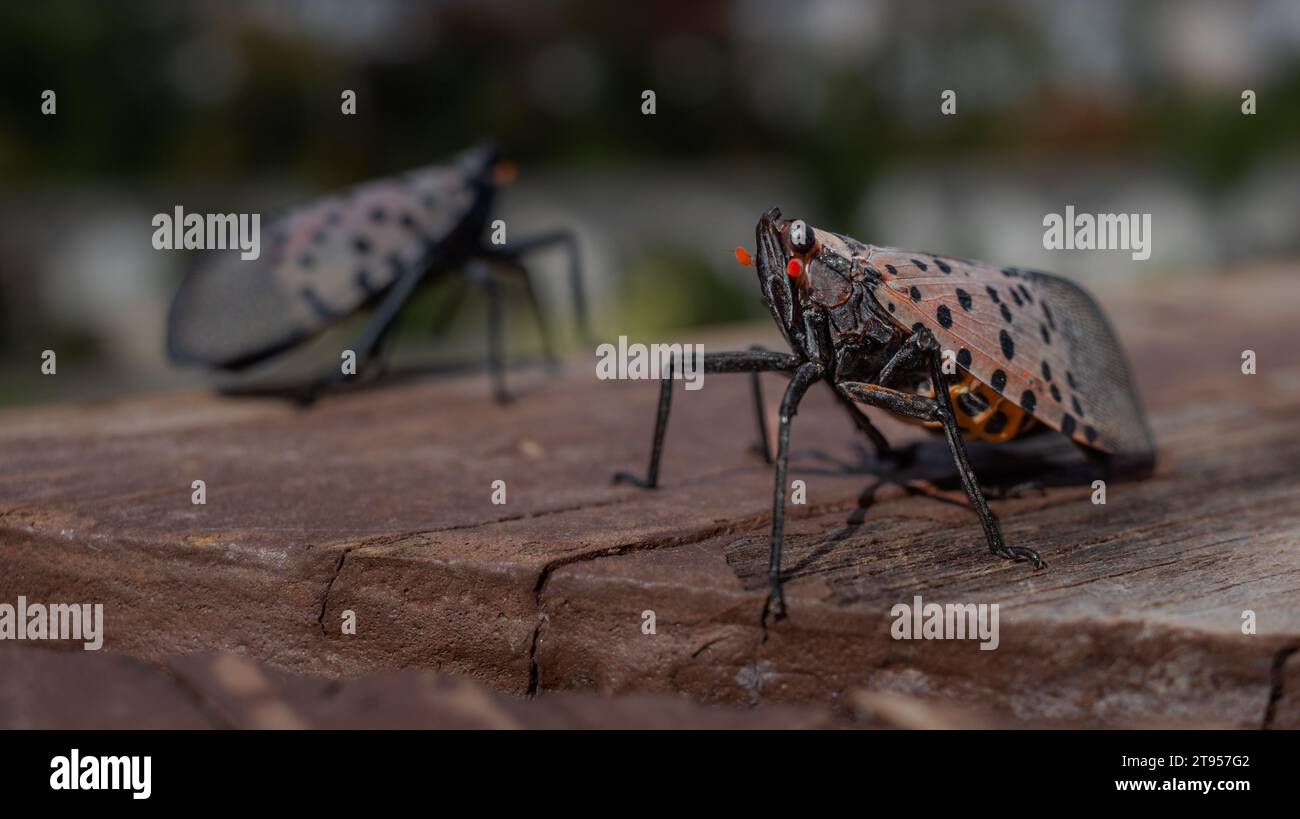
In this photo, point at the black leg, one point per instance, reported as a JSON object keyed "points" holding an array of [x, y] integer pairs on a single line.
{"points": [[909, 355], [657, 446], [514, 265], [799, 383], [922, 407], [940, 409], [569, 240], [947, 416], [863, 423], [762, 447], [753, 361], [370, 337], [478, 272], [860, 419]]}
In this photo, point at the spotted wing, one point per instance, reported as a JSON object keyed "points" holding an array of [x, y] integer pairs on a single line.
{"points": [[318, 263], [1037, 339]]}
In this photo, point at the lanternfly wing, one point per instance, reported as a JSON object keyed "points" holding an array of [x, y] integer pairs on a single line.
{"points": [[319, 263], [1037, 339]]}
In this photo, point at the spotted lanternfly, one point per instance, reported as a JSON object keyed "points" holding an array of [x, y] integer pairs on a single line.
{"points": [[1032, 352], [371, 244]]}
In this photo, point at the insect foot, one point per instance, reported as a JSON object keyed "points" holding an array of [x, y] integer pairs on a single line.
{"points": [[1020, 553], [628, 477]]}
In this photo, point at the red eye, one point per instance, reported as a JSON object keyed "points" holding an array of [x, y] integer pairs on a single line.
{"points": [[794, 268]]}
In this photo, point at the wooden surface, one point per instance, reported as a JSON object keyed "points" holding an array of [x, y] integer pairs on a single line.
{"points": [[379, 502]]}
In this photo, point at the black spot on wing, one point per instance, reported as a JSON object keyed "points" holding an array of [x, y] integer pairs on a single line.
{"points": [[1047, 371], [1068, 424], [999, 380], [915, 293], [1028, 401], [920, 265], [963, 357], [942, 265], [1006, 312], [944, 315], [993, 294], [1008, 344], [964, 299]]}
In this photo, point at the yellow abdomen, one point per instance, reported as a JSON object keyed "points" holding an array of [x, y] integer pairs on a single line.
{"points": [[982, 414]]}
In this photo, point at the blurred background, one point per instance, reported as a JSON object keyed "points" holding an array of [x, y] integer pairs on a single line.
{"points": [[830, 109]]}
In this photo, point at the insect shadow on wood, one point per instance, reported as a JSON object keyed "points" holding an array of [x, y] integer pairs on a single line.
{"points": [[371, 246], [1033, 353]]}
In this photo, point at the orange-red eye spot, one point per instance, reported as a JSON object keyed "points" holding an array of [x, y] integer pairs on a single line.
{"points": [[742, 256], [794, 268], [504, 173]]}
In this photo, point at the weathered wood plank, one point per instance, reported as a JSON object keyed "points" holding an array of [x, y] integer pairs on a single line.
{"points": [[378, 502]]}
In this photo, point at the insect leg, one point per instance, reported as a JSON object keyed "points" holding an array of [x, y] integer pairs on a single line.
{"points": [[799, 383], [911, 353], [863, 423], [752, 361], [514, 265], [901, 403], [375, 330], [946, 415], [661, 426], [860, 419], [478, 272], [569, 240], [756, 387], [940, 409]]}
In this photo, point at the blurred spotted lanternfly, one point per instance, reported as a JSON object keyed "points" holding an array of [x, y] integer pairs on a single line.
{"points": [[371, 244], [1033, 352]]}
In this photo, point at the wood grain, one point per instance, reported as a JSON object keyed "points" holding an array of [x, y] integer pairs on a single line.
{"points": [[379, 502]]}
